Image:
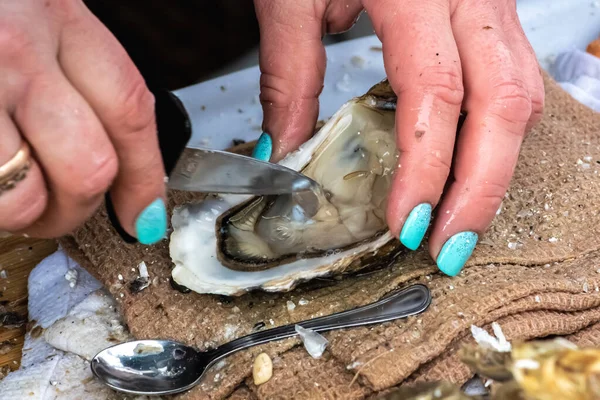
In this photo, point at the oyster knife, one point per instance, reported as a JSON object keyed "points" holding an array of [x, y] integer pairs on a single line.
{"points": [[209, 171]]}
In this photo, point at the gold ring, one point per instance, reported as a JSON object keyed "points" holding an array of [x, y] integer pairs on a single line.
{"points": [[15, 170]]}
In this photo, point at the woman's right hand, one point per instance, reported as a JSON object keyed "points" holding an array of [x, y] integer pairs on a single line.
{"points": [[71, 93]]}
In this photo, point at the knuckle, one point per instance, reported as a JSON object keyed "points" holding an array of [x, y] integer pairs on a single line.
{"points": [[339, 23], [279, 92], [274, 89], [14, 38], [143, 185], [444, 82], [134, 111], [69, 10], [95, 183], [337, 26], [490, 195], [25, 213], [510, 101], [537, 103], [437, 162], [537, 99]]}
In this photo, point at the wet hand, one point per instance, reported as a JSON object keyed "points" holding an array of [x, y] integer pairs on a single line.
{"points": [[440, 56], [70, 93]]}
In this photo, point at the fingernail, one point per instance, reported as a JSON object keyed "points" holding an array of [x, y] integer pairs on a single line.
{"points": [[151, 224], [264, 148], [456, 251], [415, 226]]}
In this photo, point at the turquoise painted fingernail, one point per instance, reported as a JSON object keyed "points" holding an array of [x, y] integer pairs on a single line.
{"points": [[151, 224], [264, 148], [456, 251], [415, 226]]}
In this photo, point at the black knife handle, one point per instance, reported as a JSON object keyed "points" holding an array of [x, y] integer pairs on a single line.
{"points": [[174, 131]]}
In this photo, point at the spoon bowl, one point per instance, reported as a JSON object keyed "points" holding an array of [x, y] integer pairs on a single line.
{"points": [[149, 366]]}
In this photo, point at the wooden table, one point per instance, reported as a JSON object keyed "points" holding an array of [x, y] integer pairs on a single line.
{"points": [[18, 256]]}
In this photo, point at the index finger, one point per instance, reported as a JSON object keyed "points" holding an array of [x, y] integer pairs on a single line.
{"points": [[292, 64]]}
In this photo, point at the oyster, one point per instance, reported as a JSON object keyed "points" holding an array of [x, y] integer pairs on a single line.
{"points": [[230, 244]]}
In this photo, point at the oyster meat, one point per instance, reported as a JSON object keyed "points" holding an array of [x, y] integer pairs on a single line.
{"points": [[230, 244]]}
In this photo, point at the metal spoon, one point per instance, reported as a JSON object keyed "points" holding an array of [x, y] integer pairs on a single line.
{"points": [[162, 367]]}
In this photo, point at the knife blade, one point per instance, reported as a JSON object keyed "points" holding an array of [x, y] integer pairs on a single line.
{"points": [[210, 171], [215, 171]]}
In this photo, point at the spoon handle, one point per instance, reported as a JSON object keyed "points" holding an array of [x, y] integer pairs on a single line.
{"points": [[400, 304]]}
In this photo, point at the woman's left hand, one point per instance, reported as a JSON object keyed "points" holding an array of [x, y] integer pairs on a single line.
{"points": [[440, 56]]}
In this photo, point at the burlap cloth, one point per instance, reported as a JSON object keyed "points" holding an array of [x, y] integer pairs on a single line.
{"points": [[536, 272]]}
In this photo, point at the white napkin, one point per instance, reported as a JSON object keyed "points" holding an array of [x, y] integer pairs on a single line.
{"points": [[578, 73], [79, 319]]}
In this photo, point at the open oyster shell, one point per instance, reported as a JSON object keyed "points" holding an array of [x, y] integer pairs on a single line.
{"points": [[231, 244]]}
